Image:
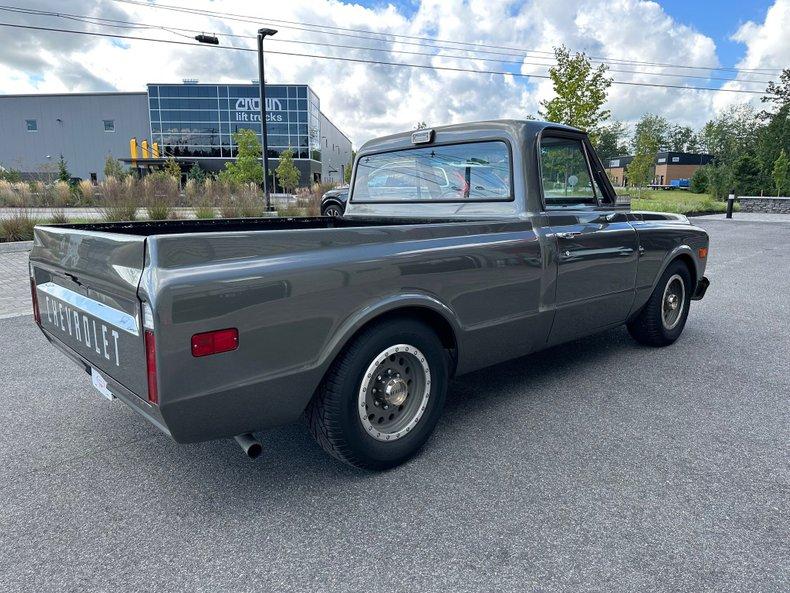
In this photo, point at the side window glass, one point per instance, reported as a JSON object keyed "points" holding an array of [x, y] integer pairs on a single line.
{"points": [[565, 176]]}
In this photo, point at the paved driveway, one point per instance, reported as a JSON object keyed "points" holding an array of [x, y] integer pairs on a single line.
{"points": [[599, 465]]}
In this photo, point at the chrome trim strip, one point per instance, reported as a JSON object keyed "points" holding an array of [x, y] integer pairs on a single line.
{"points": [[114, 317]]}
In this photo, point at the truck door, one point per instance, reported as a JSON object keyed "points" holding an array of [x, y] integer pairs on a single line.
{"points": [[597, 248]]}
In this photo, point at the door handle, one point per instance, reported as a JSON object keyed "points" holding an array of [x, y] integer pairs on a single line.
{"points": [[569, 235]]}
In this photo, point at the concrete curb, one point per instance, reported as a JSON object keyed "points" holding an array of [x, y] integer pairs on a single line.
{"points": [[16, 246]]}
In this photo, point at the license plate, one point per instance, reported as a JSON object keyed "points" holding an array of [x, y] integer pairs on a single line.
{"points": [[100, 383]]}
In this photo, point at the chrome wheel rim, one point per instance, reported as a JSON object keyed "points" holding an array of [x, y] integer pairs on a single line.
{"points": [[673, 302], [394, 392]]}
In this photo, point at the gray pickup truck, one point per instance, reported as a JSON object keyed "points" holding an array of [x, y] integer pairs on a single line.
{"points": [[461, 247]]}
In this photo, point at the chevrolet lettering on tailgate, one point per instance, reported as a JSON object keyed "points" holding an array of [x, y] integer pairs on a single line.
{"points": [[92, 324]]}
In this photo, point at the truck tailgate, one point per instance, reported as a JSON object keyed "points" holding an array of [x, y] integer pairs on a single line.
{"points": [[86, 284]]}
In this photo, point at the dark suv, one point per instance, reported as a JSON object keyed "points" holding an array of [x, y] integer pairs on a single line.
{"points": [[333, 202]]}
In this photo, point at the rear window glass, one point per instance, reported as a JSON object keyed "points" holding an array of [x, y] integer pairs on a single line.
{"points": [[456, 173]]}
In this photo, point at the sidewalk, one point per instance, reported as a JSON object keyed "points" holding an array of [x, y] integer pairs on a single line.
{"points": [[14, 281]]}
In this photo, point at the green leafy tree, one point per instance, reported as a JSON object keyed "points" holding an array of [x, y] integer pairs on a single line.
{"points": [[113, 169], [651, 129], [746, 175], [777, 93], [611, 142], [421, 125], [681, 139], [63, 170], [699, 181], [287, 173], [196, 174], [580, 92], [173, 169], [247, 167], [773, 138], [640, 170], [719, 180], [781, 174], [733, 133]]}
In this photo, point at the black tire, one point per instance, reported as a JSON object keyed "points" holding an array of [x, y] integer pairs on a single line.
{"points": [[649, 327], [333, 211], [333, 415]]}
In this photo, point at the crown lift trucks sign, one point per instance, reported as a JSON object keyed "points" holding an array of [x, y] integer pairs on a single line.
{"points": [[249, 110]]}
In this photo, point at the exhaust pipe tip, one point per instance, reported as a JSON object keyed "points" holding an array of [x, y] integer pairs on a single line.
{"points": [[250, 445]]}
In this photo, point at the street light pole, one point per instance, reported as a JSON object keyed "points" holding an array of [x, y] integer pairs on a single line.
{"points": [[265, 141]]}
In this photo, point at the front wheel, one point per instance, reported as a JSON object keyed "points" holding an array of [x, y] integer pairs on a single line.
{"points": [[333, 211], [382, 397], [663, 317]]}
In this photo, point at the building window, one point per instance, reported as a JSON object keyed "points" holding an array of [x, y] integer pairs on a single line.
{"points": [[32, 125], [109, 125]]}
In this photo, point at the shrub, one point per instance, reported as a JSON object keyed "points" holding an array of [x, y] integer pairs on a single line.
{"points": [[119, 199], [699, 181], [199, 198], [58, 216], [61, 193], [10, 175], [23, 197], [87, 192], [7, 194], [161, 193], [19, 226], [113, 168]]}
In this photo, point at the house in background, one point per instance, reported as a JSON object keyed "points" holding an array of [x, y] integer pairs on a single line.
{"points": [[669, 167]]}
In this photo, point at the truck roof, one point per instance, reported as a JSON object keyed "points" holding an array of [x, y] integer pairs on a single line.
{"points": [[465, 131]]}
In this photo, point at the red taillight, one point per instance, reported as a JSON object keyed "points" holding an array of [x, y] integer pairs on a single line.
{"points": [[150, 361], [222, 340], [36, 312]]}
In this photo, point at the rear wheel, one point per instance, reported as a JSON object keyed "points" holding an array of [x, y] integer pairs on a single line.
{"points": [[382, 397], [663, 318]]}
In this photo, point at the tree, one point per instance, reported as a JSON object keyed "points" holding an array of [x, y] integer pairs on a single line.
{"points": [[773, 138], [173, 169], [699, 181], [777, 94], [733, 133], [196, 173], [781, 174], [421, 125], [580, 92], [681, 139], [611, 142], [746, 175], [113, 169], [63, 170], [652, 128], [247, 167], [287, 173], [640, 170]]}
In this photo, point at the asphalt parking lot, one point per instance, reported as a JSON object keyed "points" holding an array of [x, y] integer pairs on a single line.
{"points": [[598, 465]]}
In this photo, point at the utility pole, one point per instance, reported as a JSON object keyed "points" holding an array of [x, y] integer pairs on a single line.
{"points": [[265, 142]]}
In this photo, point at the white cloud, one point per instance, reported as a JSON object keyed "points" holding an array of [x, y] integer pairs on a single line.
{"points": [[367, 100], [767, 47]]}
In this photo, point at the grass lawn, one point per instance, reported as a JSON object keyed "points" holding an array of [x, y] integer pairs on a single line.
{"points": [[679, 201]]}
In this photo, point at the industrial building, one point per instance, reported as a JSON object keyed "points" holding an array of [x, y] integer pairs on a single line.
{"points": [[669, 167], [194, 123]]}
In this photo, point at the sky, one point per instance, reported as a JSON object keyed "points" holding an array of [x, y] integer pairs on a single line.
{"points": [[749, 40]]}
